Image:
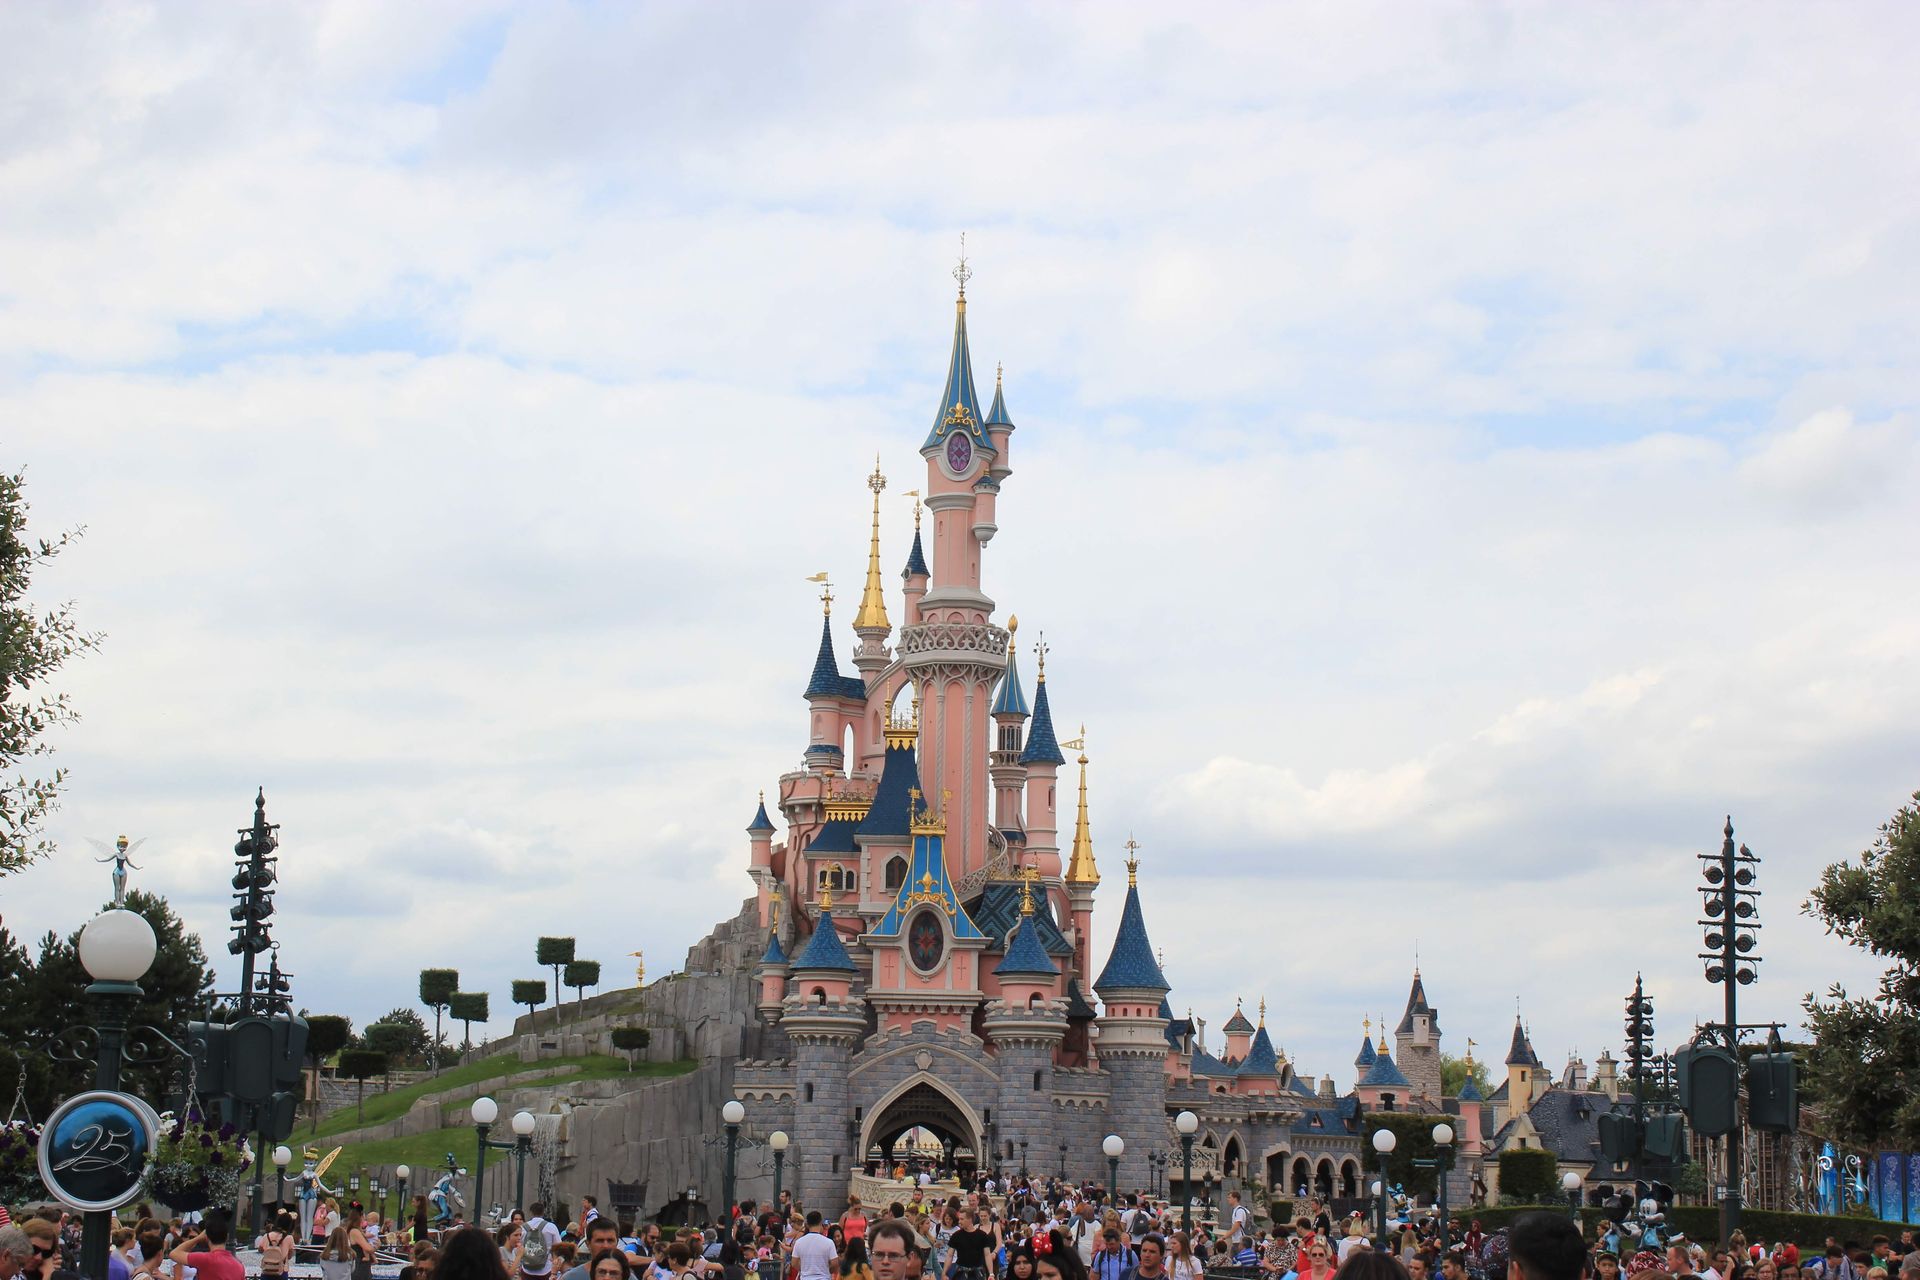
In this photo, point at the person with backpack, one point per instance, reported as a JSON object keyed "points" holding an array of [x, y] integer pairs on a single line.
{"points": [[277, 1247], [536, 1249]]}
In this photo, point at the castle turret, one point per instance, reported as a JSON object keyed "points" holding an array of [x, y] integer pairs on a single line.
{"points": [[1259, 1070], [1524, 1082], [1042, 760], [773, 977], [1363, 1060], [835, 700], [760, 857], [1083, 876], [1239, 1033], [822, 1022], [1009, 719], [999, 426], [1417, 1042], [870, 623], [1026, 1027], [915, 574], [1133, 1045]]}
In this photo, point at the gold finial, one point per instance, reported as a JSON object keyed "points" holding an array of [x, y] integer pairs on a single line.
{"points": [[1013, 629], [826, 896], [915, 495], [1081, 868], [639, 968], [1383, 1033], [826, 591], [1263, 1011], [963, 273], [1470, 1044], [1239, 1003], [999, 373], [1133, 861], [873, 601], [1366, 1028], [1040, 653], [1028, 875]]}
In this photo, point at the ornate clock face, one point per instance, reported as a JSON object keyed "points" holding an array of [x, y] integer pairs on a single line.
{"points": [[959, 452], [925, 941]]}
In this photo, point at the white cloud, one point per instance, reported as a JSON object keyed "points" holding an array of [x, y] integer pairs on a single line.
{"points": [[1462, 456]]}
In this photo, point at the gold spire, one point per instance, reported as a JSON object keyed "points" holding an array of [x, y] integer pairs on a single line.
{"points": [[873, 601], [1366, 1028], [1133, 862], [1040, 653], [826, 591], [1027, 876], [1080, 867], [1263, 1011], [1013, 629], [826, 896]]}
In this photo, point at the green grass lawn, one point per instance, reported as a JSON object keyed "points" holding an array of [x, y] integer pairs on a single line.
{"points": [[504, 1067]]}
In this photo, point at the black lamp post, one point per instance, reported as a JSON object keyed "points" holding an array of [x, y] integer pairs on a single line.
{"points": [[401, 1174], [731, 1115], [1023, 1157], [1570, 1180], [1113, 1147], [282, 1157], [778, 1140], [1063, 1162], [1186, 1124], [1384, 1141], [523, 1126], [116, 949], [1441, 1163]]}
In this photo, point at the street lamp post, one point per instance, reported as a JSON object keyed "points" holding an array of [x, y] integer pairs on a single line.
{"points": [[778, 1140], [1443, 1160], [731, 1114], [1023, 1157], [523, 1126], [1114, 1146], [116, 949], [1063, 1162], [1384, 1141], [282, 1157], [1186, 1124], [401, 1174], [1570, 1181], [485, 1112]]}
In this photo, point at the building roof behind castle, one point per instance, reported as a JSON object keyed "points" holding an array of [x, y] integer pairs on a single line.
{"points": [[1025, 956], [1238, 1025], [1205, 1064], [1568, 1122], [827, 682], [1301, 1087], [1042, 747], [1131, 966], [1383, 1074], [824, 950], [1417, 1004], [1520, 1053], [1178, 1029], [997, 912], [1078, 1006]]}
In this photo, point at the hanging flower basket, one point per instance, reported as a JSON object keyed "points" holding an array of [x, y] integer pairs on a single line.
{"points": [[19, 1164], [195, 1166]]}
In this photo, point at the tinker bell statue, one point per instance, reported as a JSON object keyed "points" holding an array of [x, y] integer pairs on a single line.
{"points": [[120, 854]]}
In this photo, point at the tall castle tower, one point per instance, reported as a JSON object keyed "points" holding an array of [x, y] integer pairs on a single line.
{"points": [[1417, 1043]]}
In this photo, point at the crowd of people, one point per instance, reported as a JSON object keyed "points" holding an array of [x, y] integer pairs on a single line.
{"points": [[1032, 1230]]}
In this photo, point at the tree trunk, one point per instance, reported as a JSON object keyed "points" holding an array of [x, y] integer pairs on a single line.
{"points": [[360, 1101], [436, 1039]]}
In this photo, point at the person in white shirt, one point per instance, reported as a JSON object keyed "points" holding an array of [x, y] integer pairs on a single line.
{"points": [[813, 1252]]}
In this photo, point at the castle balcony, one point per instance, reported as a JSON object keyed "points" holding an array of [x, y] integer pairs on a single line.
{"points": [[932, 643]]}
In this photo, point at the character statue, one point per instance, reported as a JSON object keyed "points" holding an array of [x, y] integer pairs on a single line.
{"points": [[120, 854], [311, 1183], [445, 1196]]}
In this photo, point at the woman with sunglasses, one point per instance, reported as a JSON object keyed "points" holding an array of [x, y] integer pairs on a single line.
{"points": [[1320, 1263]]}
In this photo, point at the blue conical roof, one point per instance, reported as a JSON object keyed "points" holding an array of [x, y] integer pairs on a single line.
{"points": [[927, 882], [1042, 746], [1131, 964], [1261, 1059], [959, 403], [916, 559], [1520, 1052], [824, 950], [1011, 700], [1417, 1003], [761, 822], [1366, 1055], [1238, 1025], [1384, 1074], [827, 682], [997, 415], [1025, 956], [1470, 1092], [899, 777], [773, 954]]}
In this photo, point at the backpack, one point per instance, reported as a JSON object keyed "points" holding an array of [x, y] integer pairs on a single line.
{"points": [[273, 1252], [533, 1249]]}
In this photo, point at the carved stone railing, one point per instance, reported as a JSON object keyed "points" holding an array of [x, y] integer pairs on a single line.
{"points": [[998, 866], [972, 640]]}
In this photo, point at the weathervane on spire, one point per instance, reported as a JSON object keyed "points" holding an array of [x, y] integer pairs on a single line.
{"points": [[1133, 861], [876, 481], [1040, 652], [963, 273], [826, 590]]}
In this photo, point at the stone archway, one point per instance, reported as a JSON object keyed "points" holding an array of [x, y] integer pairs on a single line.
{"points": [[922, 1101]]}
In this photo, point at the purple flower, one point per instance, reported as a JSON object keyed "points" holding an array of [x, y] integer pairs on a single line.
{"points": [[226, 1131], [206, 1139], [218, 1158]]}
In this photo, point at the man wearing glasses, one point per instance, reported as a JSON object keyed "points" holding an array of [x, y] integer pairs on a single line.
{"points": [[890, 1249]]}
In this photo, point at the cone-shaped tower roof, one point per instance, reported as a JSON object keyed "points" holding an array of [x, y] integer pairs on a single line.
{"points": [[959, 403], [1025, 956], [1417, 1004], [1042, 747], [761, 822], [873, 599], [997, 415], [1131, 966], [1010, 699], [824, 950]]}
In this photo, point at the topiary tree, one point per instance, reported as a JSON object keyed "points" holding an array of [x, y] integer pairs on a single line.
{"points": [[327, 1034], [360, 1064], [631, 1040], [530, 992], [556, 954], [436, 990], [470, 1007], [1529, 1176], [582, 974], [390, 1040]]}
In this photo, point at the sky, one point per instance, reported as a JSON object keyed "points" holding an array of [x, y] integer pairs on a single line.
{"points": [[1464, 453]]}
